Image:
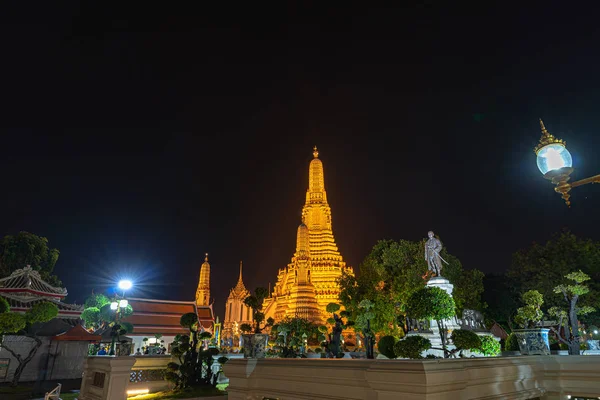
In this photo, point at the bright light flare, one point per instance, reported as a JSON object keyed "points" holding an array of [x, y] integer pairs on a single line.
{"points": [[125, 284], [552, 157]]}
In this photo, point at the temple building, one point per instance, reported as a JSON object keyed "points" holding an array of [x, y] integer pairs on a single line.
{"points": [[309, 282], [236, 312], [156, 322], [203, 291]]}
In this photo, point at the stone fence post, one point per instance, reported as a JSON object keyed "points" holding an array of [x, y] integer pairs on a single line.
{"points": [[106, 377]]}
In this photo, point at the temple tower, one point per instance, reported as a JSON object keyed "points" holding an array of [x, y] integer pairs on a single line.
{"points": [[203, 291], [236, 312], [309, 282]]}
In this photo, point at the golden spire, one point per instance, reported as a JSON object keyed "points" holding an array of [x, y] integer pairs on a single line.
{"points": [[315, 152], [203, 290], [547, 138], [240, 278]]}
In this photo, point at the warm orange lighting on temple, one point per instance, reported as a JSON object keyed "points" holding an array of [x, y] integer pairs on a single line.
{"points": [[309, 282]]}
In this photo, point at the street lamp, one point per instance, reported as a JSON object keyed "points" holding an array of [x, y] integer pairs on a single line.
{"points": [[118, 305], [556, 164]]}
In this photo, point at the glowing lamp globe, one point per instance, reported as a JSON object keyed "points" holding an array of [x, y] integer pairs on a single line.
{"points": [[552, 157], [125, 284], [123, 303], [114, 305]]}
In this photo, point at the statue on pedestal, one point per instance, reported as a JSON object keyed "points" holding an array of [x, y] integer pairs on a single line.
{"points": [[432, 255]]}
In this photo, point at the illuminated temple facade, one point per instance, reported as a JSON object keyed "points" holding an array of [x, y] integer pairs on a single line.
{"points": [[309, 282], [236, 312]]}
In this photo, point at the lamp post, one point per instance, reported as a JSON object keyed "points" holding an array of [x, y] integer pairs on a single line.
{"points": [[118, 305], [555, 163]]}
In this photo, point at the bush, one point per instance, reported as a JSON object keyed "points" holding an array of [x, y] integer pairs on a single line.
{"points": [[489, 346], [464, 339], [318, 350], [412, 347], [512, 343], [386, 346]]}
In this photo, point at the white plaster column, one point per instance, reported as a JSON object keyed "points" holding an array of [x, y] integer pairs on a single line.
{"points": [[106, 377]]}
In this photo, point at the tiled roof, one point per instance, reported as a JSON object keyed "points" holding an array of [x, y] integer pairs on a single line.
{"points": [[162, 316], [29, 280], [21, 302]]}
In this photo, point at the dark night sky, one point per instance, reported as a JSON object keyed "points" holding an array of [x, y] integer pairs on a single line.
{"points": [[138, 139]]}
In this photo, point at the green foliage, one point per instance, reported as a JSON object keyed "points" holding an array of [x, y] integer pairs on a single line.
{"points": [[468, 285], [246, 328], [490, 347], [4, 306], [465, 339], [542, 266], [11, 323], [332, 308], [530, 314], [18, 251], [96, 300], [188, 320], [411, 347], [41, 312], [255, 302], [91, 317], [386, 346], [512, 343], [500, 298], [430, 303]]}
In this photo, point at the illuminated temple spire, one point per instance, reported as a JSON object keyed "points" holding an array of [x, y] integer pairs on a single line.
{"points": [[310, 280], [203, 291]]}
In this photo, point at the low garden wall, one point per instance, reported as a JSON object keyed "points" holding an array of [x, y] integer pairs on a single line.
{"points": [[546, 377]]}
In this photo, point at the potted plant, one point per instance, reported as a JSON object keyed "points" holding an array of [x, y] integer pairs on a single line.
{"points": [[258, 340], [532, 339], [511, 346]]}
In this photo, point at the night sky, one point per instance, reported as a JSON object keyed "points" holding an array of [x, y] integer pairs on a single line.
{"points": [[138, 139]]}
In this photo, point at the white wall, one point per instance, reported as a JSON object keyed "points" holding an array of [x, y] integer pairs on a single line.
{"points": [[527, 377]]}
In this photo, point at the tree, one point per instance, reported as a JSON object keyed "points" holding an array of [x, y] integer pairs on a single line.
{"points": [[541, 266], [97, 313], [433, 303], [531, 313], [255, 302], [18, 251], [570, 293], [501, 299], [391, 273], [27, 325]]}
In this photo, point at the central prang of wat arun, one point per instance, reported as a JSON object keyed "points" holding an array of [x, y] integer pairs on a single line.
{"points": [[308, 283]]}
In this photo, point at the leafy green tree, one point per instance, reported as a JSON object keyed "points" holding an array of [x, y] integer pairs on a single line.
{"points": [[18, 251], [531, 313], [288, 335], [27, 325], [433, 303], [412, 347], [391, 273], [97, 313], [541, 266], [255, 302], [490, 347], [386, 346], [570, 293], [501, 299], [464, 339]]}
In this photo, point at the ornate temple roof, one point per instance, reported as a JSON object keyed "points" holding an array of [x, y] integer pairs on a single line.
{"points": [[152, 316], [239, 291], [29, 280]]}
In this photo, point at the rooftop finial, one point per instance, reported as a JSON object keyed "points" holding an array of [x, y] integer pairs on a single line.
{"points": [[544, 130], [240, 270], [315, 152], [206, 257]]}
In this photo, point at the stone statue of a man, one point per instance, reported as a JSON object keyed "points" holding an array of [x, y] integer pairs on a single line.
{"points": [[432, 254]]}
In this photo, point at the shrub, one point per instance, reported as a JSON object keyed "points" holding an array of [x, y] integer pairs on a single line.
{"points": [[489, 346], [386, 346], [412, 347], [464, 339], [512, 343], [318, 350]]}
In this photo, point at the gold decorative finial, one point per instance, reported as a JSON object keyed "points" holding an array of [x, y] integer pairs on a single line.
{"points": [[240, 271], [205, 257], [547, 138], [315, 152]]}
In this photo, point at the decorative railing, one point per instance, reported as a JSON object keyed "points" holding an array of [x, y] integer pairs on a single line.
{"points": [[147, 375]]}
